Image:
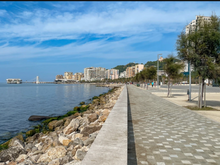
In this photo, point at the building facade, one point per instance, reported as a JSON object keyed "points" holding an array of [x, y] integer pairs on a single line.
{"points": [[112, 74], [59, 76], [68, 75], [130, 71], [92, 73], [138, 68], [122, 74]]}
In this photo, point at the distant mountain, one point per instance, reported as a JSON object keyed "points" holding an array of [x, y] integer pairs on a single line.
{"points": [[122, 68]]}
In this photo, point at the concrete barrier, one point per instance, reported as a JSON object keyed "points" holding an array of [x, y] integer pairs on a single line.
{"points": [[110, 145]]}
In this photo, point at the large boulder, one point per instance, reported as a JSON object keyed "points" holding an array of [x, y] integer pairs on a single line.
{"points": [[15, 142], [38, 118], [90, 129], [74, 124], [64, 140], [81, 153], [76, 142], [11, 154], [91, 138], [93, 117], [52, 153]]}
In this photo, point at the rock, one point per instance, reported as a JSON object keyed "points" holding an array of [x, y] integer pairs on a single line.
{"points": [[80, 153], [38, 118], [47, 144], [30, 132], [74, 162], [26, 162], [15, 142], [12, 163], [92, 117], [11, 154], [74, 124], [65, 159], [54, 162], [52, 153], [102, 118], [33, 138], [67, 121], [20, 137], [77, 135], [51, 124], [91, 139], [83, 122], [90, 129], [34, 149], [22, 156], [34, 158], [76, 142], [28, 147], [82, 103], [64, 140]]}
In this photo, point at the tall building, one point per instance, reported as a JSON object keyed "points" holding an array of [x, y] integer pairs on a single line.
{"points": [[78, 76], [138, 68], [68, 75], [92, 73], [130, 71], [112, 74], [59, 76], [122, 74]]}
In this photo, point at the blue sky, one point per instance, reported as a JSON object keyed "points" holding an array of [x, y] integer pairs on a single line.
{"points": [[48, 38]]}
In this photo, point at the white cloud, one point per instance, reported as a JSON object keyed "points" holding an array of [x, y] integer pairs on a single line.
{"points": [[47, 24]]}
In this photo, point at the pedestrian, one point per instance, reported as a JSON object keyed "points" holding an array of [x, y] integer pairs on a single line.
{"points": [[152, 84]]}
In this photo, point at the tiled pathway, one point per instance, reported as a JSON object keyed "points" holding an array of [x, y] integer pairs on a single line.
{"points": [[162, 133]]}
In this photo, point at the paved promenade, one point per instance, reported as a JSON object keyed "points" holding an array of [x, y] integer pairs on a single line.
{"points": [[162, 133]]}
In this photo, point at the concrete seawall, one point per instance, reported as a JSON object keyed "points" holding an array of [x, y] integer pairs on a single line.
{"points": [[110, 146]]}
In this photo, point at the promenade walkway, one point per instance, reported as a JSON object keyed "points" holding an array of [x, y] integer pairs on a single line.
{"points": [[162, 133]]}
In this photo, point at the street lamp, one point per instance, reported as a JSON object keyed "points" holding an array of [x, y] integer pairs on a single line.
{"points": [[158, 70]]}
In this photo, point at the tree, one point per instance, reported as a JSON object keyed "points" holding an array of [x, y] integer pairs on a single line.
{"points": [[201, 47], [151, 73], [172, 69]]}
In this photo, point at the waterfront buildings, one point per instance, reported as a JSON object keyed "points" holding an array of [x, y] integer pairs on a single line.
{"points": [[122, 74], [138, 68], [112, 74], [68, 75], [14, 81], [93, 74], [59, 76], [78, 76]]}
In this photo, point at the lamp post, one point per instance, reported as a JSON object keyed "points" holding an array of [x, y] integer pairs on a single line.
{"points": [[158, 70]]}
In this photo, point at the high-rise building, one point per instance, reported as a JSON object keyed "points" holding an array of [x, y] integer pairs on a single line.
{"points": [[59, 76], [122, 74], [91, 74], [68, 75], [130, 71], [78, 76], [138, 68], [112, 74]]}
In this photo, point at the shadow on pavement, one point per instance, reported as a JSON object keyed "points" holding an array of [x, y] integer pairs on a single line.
{"points": [[132, 160]]}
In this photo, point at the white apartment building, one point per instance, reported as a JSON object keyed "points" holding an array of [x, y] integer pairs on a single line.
{"points": [[112, 74], [92, 73], [122, 74], [138, 68], [68, 75]]}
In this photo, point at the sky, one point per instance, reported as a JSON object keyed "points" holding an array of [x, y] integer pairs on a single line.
{"points": [[49, 38]]}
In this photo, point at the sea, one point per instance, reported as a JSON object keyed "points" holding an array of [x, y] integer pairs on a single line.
{"points": [[19, 101]]}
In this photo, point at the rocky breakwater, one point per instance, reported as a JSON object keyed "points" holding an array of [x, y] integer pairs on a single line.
{"points": [[68, 140]]}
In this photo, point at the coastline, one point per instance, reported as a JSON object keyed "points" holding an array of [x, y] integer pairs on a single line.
{"points": [[87, 118]]}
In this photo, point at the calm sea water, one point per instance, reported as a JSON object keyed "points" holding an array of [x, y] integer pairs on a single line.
{"points": [[19, 101]]}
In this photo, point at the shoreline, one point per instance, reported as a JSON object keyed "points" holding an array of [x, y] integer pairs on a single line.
{"points": [[87, 114]]}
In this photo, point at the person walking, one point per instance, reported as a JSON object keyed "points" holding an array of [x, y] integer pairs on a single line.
{"points": [[152, 84]]}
